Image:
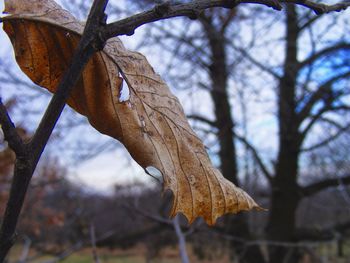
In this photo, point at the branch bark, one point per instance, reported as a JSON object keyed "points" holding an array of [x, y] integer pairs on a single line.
{"points": [[320, 8], [324, 184], [193, 9], [10, 134], [88, 45], [324, 90], [27, 155]]}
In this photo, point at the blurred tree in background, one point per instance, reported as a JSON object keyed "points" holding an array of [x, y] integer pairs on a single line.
{"points": [[305, 61]]}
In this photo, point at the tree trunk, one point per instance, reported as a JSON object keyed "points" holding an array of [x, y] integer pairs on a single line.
{"points": [[223, 114], [284, 203], [236, 224], [285, 190]]}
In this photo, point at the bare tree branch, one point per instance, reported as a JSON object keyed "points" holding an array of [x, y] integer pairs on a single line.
{"points": [[323, 90], [308, 23], [10, 134], [332, 122], [93, 243], [246, 242], [318, 115], [320, 8], [175, 223], [331, 138], [155, 218], [181, 240], [88, 45], [255, 153], [192, 10], [260, 65], [25, 250], [329, 233], [189, 41], [25, 166], [203, 119], [324, 184], [226, 20], [257, 157], [324, 52], [74, 248]]}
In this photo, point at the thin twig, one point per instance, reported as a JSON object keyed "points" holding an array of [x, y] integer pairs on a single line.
{"points": [[203, 119], [10, 133], [256, 156], [329, 139], [25, 250], [93, 243], [181, 240]]}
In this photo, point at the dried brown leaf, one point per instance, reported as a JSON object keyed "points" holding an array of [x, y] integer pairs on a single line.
{"points": [[151, 123]]}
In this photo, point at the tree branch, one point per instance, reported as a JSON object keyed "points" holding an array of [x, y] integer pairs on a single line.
{"points": [[318, 115], [308, 23], [189, 41], [313, 120], [257, 158], [243, 140], [320, 8], [203, 119], [93, 243], [10, 134], [322, 185], [25, 166], [192, 9], [88, 45], [260, 65], [311, 59], [181, 240], [324, 89], [324, 142]]}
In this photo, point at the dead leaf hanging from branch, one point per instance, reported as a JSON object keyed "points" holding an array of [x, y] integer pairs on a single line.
{"points": [[151, 123]]}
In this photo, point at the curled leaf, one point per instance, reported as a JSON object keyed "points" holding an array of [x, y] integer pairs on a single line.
{"points": [[150, 122]]}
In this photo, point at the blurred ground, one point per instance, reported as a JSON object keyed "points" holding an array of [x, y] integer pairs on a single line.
{"points": [[137, 254]]}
